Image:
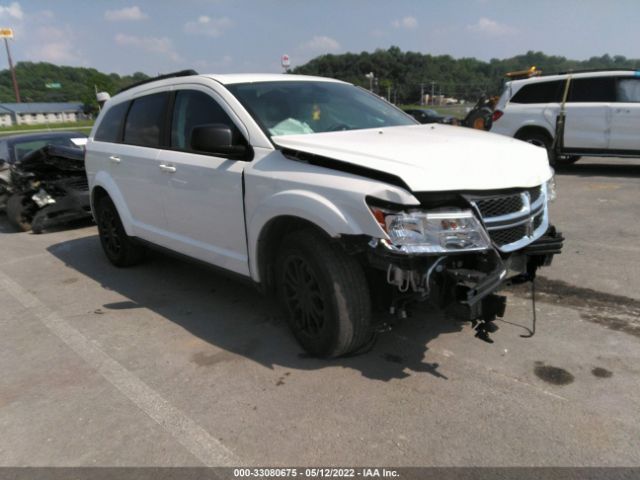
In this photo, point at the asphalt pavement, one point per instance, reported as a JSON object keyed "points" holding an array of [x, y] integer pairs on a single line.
{"points": [[171, 363]]}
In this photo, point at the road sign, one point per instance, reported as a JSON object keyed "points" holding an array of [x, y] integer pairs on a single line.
{"points": [[53, 85], [286, 63], [6, 32]]}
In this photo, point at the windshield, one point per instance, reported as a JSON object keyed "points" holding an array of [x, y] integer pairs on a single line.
{"points": [[20, 149], [294, 108]]}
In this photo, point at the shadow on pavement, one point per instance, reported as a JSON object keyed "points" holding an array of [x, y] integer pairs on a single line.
{"points": [[235, 317], [600, 170]]}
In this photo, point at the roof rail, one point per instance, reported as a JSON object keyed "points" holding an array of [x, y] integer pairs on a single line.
{"points": [[181, 73], [590, 70]]}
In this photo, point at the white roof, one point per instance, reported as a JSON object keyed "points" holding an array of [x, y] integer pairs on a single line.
{"points": [[231, 78], [577, 74]]}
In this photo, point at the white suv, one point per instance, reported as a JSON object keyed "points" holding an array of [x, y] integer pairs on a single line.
{"points": [[601, 110], [321, 193]]}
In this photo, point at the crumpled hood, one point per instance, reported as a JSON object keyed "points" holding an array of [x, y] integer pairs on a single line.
{"points": [[432, 157]]}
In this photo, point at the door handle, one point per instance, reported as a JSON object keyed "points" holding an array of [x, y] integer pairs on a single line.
{"points": [[114, 159], [167, 168]]}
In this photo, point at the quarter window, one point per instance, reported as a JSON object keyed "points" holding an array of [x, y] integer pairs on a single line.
{"points": [[594, 89], [628, 90], [110, 128], [540, 92], [193, 108], [145, 120]]}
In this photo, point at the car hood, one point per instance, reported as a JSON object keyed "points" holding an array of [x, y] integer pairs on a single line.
{"points": [[432, 157]]}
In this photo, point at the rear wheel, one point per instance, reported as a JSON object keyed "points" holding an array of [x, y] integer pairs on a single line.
{"points": [[324, 294], [120, 249]]}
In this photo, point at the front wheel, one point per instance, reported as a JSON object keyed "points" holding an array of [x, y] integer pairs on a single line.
{"points": [[19, 211], [325, 295], [120, 249]]}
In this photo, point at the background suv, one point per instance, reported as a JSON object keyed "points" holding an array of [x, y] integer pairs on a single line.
{"points": [[602, 113]]}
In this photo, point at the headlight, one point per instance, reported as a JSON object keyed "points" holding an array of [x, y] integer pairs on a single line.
{"points": [[433, 232], [551, 188]]}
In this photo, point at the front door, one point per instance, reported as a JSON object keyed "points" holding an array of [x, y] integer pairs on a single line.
{"points": [[204, 201]]}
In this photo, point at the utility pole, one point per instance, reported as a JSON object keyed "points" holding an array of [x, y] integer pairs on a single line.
{"points": [[433, 92], [422, 94], [7, 33]]}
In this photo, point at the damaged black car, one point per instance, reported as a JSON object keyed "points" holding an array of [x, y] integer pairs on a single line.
{"points": [[43, 183]]}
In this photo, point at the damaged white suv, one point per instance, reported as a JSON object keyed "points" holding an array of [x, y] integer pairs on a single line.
{"points": [[321, 193]]}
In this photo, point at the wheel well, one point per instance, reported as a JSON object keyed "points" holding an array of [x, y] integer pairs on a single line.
{"points": [[524, 131], [96, 194], [269, 240]]}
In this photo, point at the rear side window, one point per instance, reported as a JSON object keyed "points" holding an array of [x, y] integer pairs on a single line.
{"points": [[540, 92], [145, 120], [194, 108], [594, 89], [628, 90], [111, 126]]}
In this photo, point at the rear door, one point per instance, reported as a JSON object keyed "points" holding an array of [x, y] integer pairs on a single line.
{"points": [[204, 201], [135, 164], [588, 113], [625, 116]]}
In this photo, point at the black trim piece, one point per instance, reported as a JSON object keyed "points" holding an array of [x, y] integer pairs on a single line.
{"points": [[244, 216], [181, 73], [346, 167], [596, 152]]}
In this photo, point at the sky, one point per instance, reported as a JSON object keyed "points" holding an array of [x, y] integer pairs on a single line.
{"points": [[225, 36]]}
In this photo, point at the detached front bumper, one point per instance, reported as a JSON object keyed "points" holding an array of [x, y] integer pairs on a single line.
{"points": [[467, 279]]}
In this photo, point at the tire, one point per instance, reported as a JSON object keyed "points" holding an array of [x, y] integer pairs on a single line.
{"points": [[17, 212], [540, 140], [324, 294], [121, 249]]}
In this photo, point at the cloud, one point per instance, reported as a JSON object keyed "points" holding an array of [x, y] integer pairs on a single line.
{"points": [[486, 26], [125, 14], [321, 43], [408, 23], [54, 45], [161, 46], [13, 10], [205, 25]]}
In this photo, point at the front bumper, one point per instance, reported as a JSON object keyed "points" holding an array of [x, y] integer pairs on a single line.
{"points": [[464, 278]]}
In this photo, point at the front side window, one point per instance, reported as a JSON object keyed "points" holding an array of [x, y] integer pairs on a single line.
{"points": [[110, 127], [145, 120], [628, 90], [540, 92], [590, 90], [305, 107], [193, 108]]}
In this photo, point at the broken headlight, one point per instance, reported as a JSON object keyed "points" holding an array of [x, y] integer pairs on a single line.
{"points": [[551, 187], [447, 231]]}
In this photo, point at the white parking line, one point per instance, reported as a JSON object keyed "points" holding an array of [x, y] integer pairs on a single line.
{"points": [[187, 432]]}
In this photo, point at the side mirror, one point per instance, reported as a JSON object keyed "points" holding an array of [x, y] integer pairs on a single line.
{"points": [[217, 139]]}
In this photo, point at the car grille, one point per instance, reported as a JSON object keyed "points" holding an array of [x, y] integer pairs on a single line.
{"points": [[513, 219]]}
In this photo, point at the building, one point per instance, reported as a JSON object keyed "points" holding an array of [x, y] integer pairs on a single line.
{"points": [[39, 113]]}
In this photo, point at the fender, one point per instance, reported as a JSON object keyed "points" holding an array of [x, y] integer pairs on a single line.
{"points": [[104, 180], [308, 206]]}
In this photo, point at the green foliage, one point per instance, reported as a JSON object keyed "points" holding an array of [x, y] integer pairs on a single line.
{"points": [[77, 84], [465, 78]]}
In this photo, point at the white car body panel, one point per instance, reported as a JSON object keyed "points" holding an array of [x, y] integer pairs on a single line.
{"points": [[415, 153], [625, 126]]}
